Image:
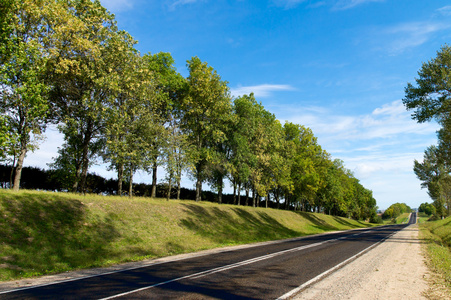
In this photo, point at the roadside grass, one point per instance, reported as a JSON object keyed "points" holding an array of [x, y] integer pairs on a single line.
{"points": [[437, 235], [45, 233], [422, 217], [403, 218]]}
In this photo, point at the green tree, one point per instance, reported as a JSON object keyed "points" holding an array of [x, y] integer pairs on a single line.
{"points": [[427, 208], [23, 91], [128, 117], [85, 63], [170, 89], [206, 109], [435, 176], [242, 135], [430, 98], [306, 162]]}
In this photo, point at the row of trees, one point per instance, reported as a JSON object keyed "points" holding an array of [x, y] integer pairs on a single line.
{"points": [[65, 62], [431, 100], [395, 210], [427, 208]]}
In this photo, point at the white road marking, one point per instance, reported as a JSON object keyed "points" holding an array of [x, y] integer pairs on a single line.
{"points": [[331, 270], [224, 268], [235, 265]]}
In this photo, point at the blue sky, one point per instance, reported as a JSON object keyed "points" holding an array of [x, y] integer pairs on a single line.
{"points": [[336, 66]]}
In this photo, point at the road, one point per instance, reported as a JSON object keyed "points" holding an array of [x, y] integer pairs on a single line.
{"points": [[271, 271]]}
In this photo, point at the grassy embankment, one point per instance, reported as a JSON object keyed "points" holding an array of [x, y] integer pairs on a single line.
{"points": [[422, 217], [403, 218], [43, 233], [437, 235]]}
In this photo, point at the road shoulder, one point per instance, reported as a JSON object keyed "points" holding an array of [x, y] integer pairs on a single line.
{"points": [[393, 270]]}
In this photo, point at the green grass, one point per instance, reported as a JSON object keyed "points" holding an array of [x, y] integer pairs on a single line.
{"points": [[403, 218], [44, 233], [422, 217], [437, 235]]}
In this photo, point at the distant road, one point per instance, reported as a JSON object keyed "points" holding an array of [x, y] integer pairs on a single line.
{"points": [[272, 271]]}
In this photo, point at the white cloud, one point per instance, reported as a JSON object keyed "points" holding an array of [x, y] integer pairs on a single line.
{"points": [[378, 147], [182, 2], [347, 4], [288, 3], [118, 5], [413, 34], [446, 10], [262, 90], [370, 142], [384, 122], [392, 109]]}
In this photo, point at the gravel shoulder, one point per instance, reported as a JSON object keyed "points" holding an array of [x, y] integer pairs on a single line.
{"points": [[395, 269]]}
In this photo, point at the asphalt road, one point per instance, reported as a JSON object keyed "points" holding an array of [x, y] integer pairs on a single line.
{"points": [[260, 272]]}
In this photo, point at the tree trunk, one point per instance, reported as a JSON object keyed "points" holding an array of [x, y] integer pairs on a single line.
{"points": [[130, 187], [77, 178], [234, 192], [239, 193], [13, 166], [120, 177], [221, 183], [168, 194], [199, 189], [253, 196], [247, 194], [199, 182], [85, 157], [154, 179], [267, 200], [19, 166], [178, 188]]}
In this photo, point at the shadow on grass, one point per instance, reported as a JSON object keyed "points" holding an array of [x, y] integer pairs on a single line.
{"points": [[39, 235], [236, 226], [317, 222]]}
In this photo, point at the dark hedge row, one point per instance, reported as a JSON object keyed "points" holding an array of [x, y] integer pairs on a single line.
{"points": [[48, 180]]}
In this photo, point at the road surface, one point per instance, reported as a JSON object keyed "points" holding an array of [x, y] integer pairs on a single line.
{"points": [[273, 271]]}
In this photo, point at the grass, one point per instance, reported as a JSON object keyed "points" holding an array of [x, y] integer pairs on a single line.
{"points": [[422, 217], [437, 235], [45, 233], [403, 218]]}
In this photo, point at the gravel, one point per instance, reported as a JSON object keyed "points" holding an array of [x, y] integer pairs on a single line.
{"points": [[395, 269]]}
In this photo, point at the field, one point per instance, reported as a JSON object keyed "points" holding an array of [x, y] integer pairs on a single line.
{"points": [[44, 233]]}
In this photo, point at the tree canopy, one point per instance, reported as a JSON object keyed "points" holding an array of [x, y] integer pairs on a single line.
{"points": [[430, 99], [66, 62]]}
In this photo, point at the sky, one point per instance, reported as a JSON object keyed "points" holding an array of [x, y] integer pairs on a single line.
{"points": [[337, 66]]}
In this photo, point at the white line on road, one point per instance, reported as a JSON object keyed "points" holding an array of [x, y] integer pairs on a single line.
{"points": [[331, 270], [228, 267]]}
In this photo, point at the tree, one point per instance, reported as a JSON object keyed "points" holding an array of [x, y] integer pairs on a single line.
{"points": [[170, 88], [306, 159], [427, 208], [85, 62], [435, 176], [24, 55], [431, 99], [206, 110], [129, 118]]}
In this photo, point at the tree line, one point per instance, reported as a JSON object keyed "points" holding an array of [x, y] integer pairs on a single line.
{"points": [[395, 210], [430, 99], [66, 62]]}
